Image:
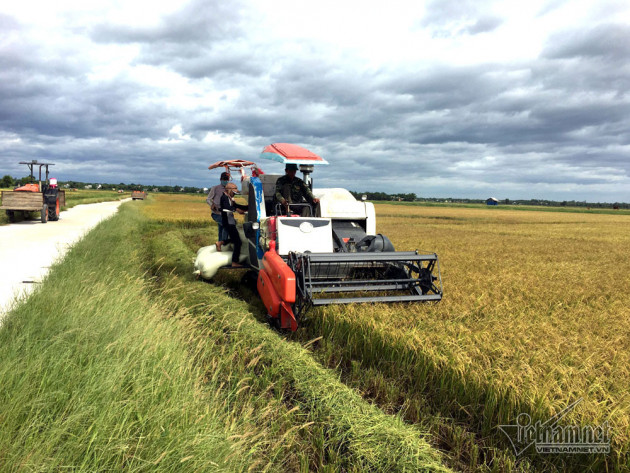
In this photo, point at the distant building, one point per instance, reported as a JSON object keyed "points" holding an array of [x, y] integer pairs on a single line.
{"points": [[492, 201]]}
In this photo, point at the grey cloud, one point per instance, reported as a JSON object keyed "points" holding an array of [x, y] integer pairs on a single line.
{"points": [[440, 15], [201, 40], [484, 24], [221, 61], [609, 41], [558, 119], [444, 11], [198, 22], [118, 108], [8, 24]]}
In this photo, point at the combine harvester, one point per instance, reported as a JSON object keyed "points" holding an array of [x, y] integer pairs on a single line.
{"points": [[335, 257]]}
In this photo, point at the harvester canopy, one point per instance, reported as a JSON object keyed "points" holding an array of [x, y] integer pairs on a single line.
{"points": [[289, 153], [237, 164]]}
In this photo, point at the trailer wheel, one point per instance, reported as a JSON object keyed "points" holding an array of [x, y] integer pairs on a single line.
{"points": [[44, 214], [11, 215]]}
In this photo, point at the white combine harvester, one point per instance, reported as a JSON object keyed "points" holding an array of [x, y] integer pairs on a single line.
{"points": [[334, 257]]}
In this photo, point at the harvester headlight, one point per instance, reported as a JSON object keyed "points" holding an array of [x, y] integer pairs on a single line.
{"points": [[306, 227], [255, 226]]}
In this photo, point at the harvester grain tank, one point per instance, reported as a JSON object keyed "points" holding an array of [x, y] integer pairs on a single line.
{"points": [[334, 256]]}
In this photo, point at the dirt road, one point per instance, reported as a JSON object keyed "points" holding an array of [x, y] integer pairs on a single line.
{"points": [[29, 248]]}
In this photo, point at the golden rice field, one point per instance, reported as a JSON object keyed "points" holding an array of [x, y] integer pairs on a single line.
{"points": [[535, 303], [535, 314], [176, 207]]}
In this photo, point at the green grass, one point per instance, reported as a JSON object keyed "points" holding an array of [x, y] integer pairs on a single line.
{"points": [[97, 376], [122, 361]]}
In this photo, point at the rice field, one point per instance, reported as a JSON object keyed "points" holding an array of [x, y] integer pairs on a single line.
{"points": [[534, 302], [535, 316], [185, 208]]}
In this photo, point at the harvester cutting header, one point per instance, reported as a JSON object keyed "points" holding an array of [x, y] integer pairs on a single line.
{"points": [[325, 251]]}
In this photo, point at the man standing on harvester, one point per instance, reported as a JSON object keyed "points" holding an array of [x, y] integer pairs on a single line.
{"points": [[228, 206], [292, 190], [214, 201]]}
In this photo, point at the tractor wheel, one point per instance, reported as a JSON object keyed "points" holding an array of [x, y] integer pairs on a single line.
{"points": [[44, 214], [11, 216], [53, 212]]}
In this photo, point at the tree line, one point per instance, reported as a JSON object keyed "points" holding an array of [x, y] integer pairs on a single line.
{"points": [[9, 182], [382, 196]]}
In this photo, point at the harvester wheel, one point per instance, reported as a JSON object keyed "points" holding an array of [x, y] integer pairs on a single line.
{"points": [[274, 322], [249, 280], [44, 214], [11, 216]]}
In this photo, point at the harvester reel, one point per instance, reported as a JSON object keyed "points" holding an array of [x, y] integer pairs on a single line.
{"points": [[299, 265]]}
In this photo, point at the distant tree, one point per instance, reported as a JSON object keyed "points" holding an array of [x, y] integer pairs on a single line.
{"points": [[23, 180], [7, 181]]}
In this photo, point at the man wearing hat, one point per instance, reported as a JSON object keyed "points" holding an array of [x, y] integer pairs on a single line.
{"points": [[292, 190], [214, 201]]}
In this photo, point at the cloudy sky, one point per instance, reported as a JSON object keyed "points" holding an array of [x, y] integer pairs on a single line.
{"points": [[462, 98]]}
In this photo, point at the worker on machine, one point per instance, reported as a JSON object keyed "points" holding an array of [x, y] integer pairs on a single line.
{"points": [[228, 206], [214, 201], [290, 189]]}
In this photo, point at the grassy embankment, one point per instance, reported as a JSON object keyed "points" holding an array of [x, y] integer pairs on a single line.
{"points": [[121, 361], [74, 198], [535, 316]]}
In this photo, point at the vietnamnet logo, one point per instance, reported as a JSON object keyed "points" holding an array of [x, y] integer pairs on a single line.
{"points": [[549, 437]]}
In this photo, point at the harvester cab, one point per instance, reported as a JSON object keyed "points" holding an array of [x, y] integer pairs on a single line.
{"points": [[333, 256]]}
